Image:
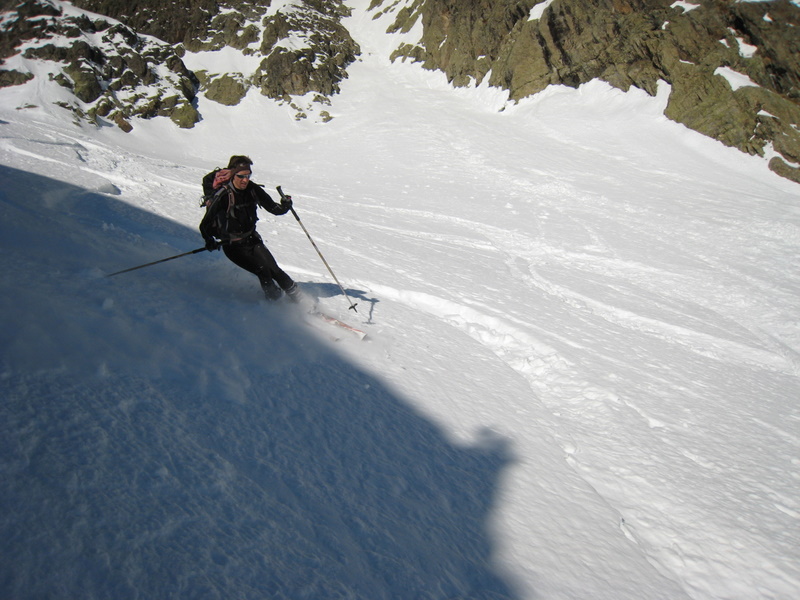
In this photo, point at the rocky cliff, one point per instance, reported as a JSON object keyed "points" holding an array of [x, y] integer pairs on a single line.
{"points": [[108, 69], [126, 59], [302, 47], [733, 66]]}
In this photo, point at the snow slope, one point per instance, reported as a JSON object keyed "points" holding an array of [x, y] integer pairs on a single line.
{"points": [[581, 378]]}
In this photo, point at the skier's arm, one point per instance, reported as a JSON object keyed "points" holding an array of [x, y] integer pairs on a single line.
{"points": [[212, 210], [268, 204]]}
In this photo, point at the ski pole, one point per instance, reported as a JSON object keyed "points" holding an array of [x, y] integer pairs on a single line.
{"points": [[155, 262], [350, 302]]}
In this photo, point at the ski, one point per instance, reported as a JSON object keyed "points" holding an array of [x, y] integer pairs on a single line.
{"points": [[336, 322]]}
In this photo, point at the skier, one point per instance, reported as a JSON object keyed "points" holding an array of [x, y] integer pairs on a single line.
{"points": [[230, 223]]}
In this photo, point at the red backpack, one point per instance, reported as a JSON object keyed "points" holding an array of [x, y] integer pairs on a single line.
{"points": [[212, 182]]}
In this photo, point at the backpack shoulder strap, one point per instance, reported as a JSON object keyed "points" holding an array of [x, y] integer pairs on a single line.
{"points": [[210, 198]]}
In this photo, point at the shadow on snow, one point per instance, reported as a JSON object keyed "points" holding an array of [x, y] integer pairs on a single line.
{"points": [[165, 434]]}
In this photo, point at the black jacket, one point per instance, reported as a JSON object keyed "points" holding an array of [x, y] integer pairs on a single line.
{"points": [[231, 214]]}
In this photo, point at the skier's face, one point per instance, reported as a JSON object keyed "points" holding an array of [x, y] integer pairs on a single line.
{"points": [[241, 179]]}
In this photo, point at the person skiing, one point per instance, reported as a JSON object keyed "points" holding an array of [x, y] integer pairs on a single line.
{"points": [[230, 223]]}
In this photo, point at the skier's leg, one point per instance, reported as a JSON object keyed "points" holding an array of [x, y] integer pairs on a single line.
{"points": [[269, 267], [248, 258]]}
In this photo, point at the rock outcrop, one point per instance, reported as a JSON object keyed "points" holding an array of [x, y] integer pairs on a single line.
{"points": [[115, 72], [112, 72], [303, 47], [734, 67]]}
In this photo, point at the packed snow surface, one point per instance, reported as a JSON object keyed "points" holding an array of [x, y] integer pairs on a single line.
{"points": [[581, 376]]}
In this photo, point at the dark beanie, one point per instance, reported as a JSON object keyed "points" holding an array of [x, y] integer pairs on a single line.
{"points": [[240, 163]]}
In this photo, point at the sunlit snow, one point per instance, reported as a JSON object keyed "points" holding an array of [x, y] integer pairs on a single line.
{"points": [[581, 376]]}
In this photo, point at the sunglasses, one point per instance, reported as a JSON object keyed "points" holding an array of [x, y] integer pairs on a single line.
{"points": [[243, 176]]}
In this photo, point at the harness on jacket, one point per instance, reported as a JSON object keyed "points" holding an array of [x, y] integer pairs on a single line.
{"points": [[233, 213]]}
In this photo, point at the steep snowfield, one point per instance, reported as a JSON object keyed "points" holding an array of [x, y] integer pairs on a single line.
{"points": [[581, 378]]}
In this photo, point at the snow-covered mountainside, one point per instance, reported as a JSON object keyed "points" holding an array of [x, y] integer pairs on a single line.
{"points": [[733, 67], [580, 378]]}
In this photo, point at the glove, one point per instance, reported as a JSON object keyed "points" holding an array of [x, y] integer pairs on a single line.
{"points": [[286, 202], [212, 244]]}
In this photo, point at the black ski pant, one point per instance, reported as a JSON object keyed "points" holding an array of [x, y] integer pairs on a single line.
{"points": [[252, 255]]}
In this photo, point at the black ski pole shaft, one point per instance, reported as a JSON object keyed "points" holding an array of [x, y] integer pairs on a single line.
{"points": [[325, 262], [155, 262]]}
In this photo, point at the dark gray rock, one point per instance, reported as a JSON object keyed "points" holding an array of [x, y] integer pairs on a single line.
{"points": [[98, 73], [628, 43], [12, 77], [227, 89], [200, 25]]}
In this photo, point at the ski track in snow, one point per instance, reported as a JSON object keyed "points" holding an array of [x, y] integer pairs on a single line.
{"points": [[557, 380], [553, 378], [521, 265]]}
